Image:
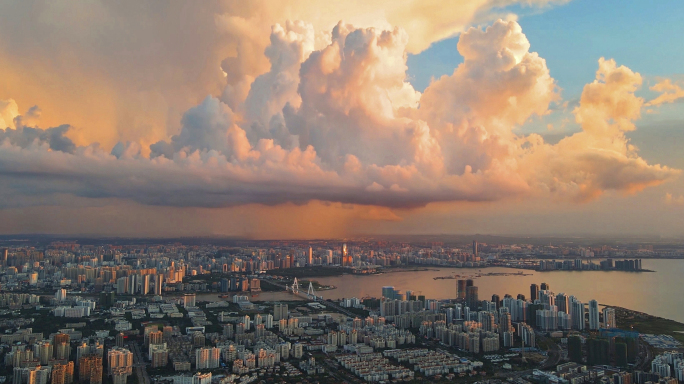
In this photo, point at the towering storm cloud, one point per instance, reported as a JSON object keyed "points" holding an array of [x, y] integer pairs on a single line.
{"points": [[333, 118]]}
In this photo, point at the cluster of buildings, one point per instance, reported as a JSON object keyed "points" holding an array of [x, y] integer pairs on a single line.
{"points": [[579, 265], [147, 298], [54, 360]]}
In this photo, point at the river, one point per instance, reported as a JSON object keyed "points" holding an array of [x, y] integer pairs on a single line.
{"points": [[657, 293]]}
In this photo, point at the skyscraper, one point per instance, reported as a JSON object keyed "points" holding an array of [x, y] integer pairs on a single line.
{"points": [[309, 257], [505, 323], [145, 289], [496, 300], [534, 292], [158, 281], [578, 313], [120, 340], [562, 302], [346, 257], [545, 287], [593, 315], [122, 285], [472, 300], [475, 246], [388, 292], [461, 290]]}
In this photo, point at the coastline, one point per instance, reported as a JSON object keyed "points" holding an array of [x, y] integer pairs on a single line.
{"points": [[644, 323]]}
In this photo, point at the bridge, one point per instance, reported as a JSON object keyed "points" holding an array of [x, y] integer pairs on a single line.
{"points": [[311, 295]]}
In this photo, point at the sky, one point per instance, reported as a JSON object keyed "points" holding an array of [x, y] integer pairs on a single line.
{"points": [[316, 119]]}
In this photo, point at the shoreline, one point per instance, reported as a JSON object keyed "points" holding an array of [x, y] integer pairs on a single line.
{"points": [[412, 268], [590, 270], [645, 323]]}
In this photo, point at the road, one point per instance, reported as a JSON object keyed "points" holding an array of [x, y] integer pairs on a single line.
{"points": [[554, 353], [645, 353], [139, 364]]}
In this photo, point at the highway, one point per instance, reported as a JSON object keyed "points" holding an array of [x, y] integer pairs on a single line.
{"points": [[139, 364]]}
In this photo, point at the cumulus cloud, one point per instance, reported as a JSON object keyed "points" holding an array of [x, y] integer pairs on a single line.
{"points": [[333, 118], [669, 92], [122, 72], [600, 157]]}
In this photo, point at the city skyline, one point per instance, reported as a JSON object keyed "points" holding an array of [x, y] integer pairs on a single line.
{"points": [[340, 311], [338, 119]]}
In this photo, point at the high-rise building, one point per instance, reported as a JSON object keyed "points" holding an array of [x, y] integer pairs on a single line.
{"points": [[189, 300], [86, 349], [207, 358], [159, 355], [578, 313], [309, 257], [158, 281], [61, 346], [545, 287], [120, 340], [609, 318], [63, 373], [475, 250], [45, 351], [133, 284], [472, 300], [5, 253], [155, 337], [546, 298], [122, 285], [496, 300], [534, 292], [505, 323], [297, 351], [461, 290], [90, 369], [31, 375], [280, 311], [61, 295], [562, 302], [593, 315], [145, 289], [389, 293], [346, 257], [120, 360]]}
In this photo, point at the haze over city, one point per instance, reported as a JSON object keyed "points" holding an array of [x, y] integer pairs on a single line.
{"points": [[332, 119]]}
